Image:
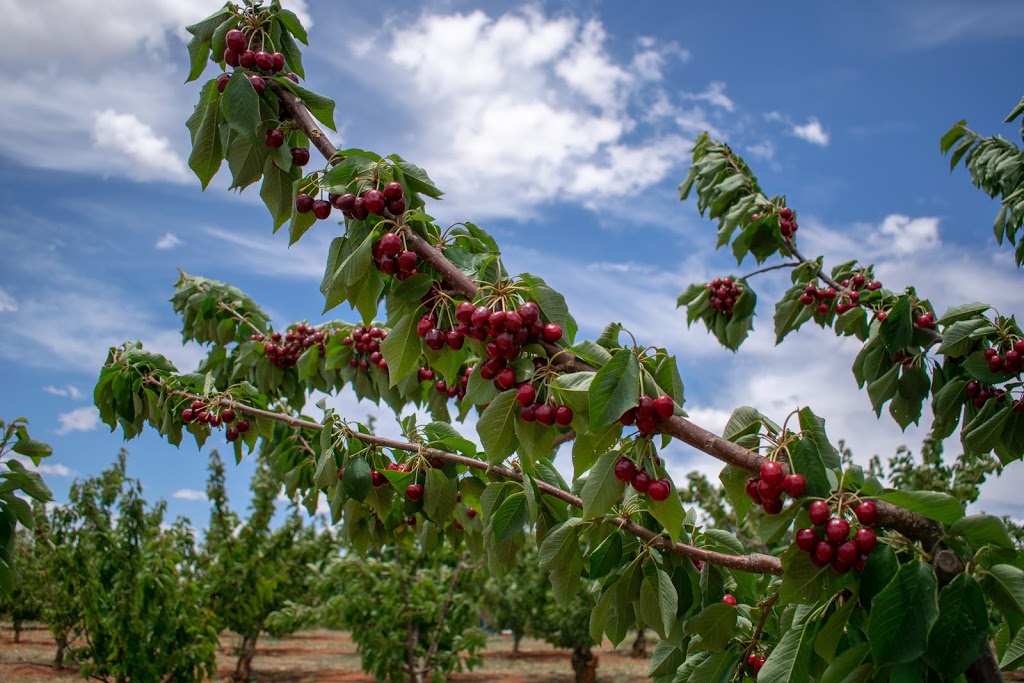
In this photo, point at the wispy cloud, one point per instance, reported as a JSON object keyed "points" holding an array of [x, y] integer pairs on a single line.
{"points": [[84, 419], [713, 95], [7, 302], [70, 391], [151, 155], [189, 494], [812, 131], [168, 241]]}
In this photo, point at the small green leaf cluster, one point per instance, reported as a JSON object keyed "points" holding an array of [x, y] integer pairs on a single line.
{"points": [[17, 481]]}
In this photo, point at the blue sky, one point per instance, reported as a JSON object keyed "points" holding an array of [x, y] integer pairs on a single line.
{"points": [[563, 128]]}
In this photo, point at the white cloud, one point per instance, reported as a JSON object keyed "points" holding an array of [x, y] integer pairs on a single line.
{"points": [[70, 391], [56, 470], [762, 150], [84, 419], [168, 241], [149, 154], [812, 131], [906, 235], [189, 494], [77, 32], [713, 95], [7, 302], [500, 106]]}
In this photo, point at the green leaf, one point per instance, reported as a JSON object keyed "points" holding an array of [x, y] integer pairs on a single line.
{"points": [[510, 517], [982, 530], [847, 666], [902, 615], [560, 544], [941, 507], [198, 54], [897, 330], [602, 490], [665, 659], [615, 389], [308, 363], [291, 22], [416, 178], [658, 601], [31, 448], [807, 461], [1005, 585], [1013, 657], [241, 107], [207, 147], [962, 312], [962, 627], [536, 441], [669, 512], [292, 54], [958, 130], [828, 638], [878, 572], [358, 479], [883, 388], [591, 353], [276, 192], [401, 349], [322, 108], [439, 495], [790, 660], [496, 427], [715, 624], [957, 339], [245, 161], [801, 582]]}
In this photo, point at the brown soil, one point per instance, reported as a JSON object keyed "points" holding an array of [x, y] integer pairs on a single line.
{"points": [[331, 657]]}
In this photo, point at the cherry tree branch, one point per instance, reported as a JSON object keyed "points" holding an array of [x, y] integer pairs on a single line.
{"points": [[435, 639], [755, 563], [904, 521]]}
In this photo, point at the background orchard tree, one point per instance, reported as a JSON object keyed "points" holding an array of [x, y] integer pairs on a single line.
{"points": [[55, 536], [16, 482], [873, 581], [25, 601], [252, 569], [143, 612]]}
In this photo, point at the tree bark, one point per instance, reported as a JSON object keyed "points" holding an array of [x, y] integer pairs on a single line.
{"points": [[17, 630], [58, 659], [243, 670], [584, 663], [639, 650], [516, 637]]}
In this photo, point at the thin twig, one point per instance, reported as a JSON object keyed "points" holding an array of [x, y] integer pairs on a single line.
{"points": [[766, 606], [777, 266]]}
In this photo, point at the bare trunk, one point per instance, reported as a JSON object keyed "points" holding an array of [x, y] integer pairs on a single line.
{"points": [[516, 637], [62, 646], [420, 676], [584, 663], [243, 670], [639, 650], [17, 630]]}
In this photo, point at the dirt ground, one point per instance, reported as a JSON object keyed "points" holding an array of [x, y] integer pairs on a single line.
{"points": [[331, 657]]}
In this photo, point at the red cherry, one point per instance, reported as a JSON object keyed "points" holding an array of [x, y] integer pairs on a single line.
{"points": [[824, 551], [552, 332], [264, 62], [563, 416], [848, 553], [664, 406], [629, 417], [546, 414], [322, 209], [867, 512], [274, 138], [794, 485], [818, 512], [729, 599], [647, 424], [259, 85], [528, 412], [659, 490], [768, 491], [752, 491], [213, 419], [231, 434], [505, 379], [529, 311], [197, 405], [425, 375], [300, 155], [837, 529], [242, 426], [227, 416], [771, 473], [772, 507], [236, 40], [278, 61], [641, 481], [625, 470], [393, 191], [222, 82], [839, 567], [390, 244], [526, 394], [414, 492], [807, 539], [866, 540], [759, 661], [424, 325], [471, 512], [374, 201], [377, 479], [464, 312], [247, 59], [187, 415]]}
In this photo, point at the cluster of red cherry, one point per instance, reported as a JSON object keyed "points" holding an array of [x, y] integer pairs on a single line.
{"points": [[358, 207], [1007, 358], [849, 297], [456, 390], [837, 547], [391, 259], [284, 351], [365, 342], [767, 489], [627, 472], [547, 413], [199, 412], [724, 293], [646, 415]]}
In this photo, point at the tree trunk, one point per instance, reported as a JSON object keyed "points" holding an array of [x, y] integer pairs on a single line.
{"points": [[17, 630], [516, 637], [584, 663], [62, 646], [243, 670], [639, 650]]}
